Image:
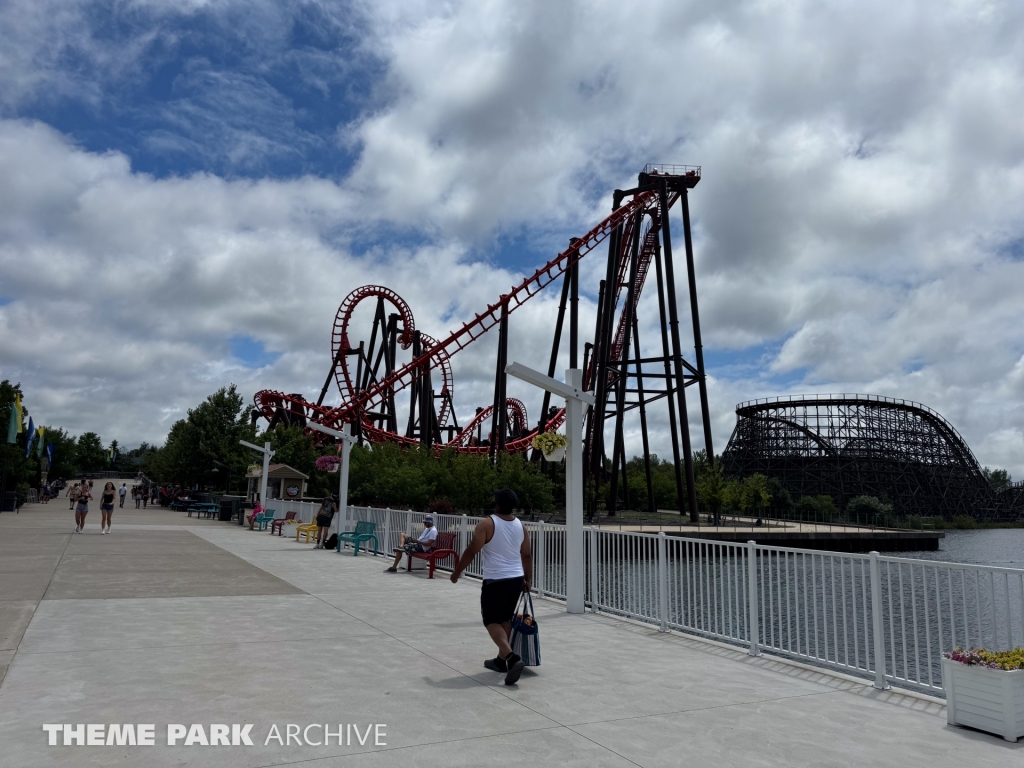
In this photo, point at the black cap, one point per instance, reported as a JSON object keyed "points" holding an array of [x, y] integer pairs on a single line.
{"points": [[506, 500]]}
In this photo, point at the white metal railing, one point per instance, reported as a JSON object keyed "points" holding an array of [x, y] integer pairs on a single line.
{"points": [[889, 619]]}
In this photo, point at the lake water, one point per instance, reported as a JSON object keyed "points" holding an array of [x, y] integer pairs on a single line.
{"points": [[999, 547]]}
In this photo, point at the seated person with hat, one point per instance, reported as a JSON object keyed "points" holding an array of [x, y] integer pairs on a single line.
{"points": [[424, 543]]}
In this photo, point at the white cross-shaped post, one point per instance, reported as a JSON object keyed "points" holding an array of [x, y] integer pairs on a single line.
{"points": [[347, 441], [575, 397], [267, 453]]}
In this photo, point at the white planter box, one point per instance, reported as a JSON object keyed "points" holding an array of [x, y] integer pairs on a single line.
{"points": [[987, 699]]}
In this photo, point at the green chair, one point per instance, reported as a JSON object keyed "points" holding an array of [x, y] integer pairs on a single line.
{"points": [[264, 519], [364, 532]]}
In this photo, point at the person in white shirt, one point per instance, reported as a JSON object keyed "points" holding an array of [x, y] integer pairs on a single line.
{"points": [[508, 572], [122, 493], [424, 543]]}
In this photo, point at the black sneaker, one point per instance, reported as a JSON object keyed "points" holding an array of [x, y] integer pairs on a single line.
{"points": [[515, 668], [496, 665]]}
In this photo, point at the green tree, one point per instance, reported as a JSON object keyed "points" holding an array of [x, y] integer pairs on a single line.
{"points": [[781, 505], [90, 455], [292, 446], [869, 510], [663, 483], [820, 508], [16, 468], [997, 478], [712, 488], [210, 432], [65, 452], [756, 492], [395, 476]]}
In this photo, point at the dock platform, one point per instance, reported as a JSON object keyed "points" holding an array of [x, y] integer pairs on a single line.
{"points": [[173, 620]]}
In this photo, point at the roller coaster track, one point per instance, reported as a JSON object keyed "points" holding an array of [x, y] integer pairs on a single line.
{"points": [[436, 354]]}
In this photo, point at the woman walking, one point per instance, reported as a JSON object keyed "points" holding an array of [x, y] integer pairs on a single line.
{"points": [[82, 508], [107, 506], [138, 496], [324, 516]]}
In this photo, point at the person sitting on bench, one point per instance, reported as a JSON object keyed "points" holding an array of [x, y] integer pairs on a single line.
{"points": [[256, 510], [424, 543]]}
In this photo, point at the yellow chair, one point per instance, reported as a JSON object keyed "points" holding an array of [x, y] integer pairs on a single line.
{"points": [[305, 528]]}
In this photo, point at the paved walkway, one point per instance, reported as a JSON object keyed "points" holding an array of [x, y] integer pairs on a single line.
{"points": [[172, 620]]}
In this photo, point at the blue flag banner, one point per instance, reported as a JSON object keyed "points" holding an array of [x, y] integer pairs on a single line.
{"points": [[49, 456], [31, 437]]}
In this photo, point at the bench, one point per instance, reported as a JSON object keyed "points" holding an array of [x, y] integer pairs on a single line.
{"points": [[203, 508], [445, 547], [279, 522], [364, 532]]}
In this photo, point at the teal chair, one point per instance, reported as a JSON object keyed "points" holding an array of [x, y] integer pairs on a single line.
{"points": [[264, 519], [364, 532]]}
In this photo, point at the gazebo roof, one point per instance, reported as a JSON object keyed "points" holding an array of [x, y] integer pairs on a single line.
{"points": [[279, 470]]}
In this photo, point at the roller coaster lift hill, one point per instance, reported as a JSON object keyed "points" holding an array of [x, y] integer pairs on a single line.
{"points": [[365, 364]]}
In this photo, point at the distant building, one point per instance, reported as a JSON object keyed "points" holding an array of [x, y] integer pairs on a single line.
{"points": [[283, 482]]}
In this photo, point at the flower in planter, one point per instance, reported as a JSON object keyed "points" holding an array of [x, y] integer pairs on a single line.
{"points": [[979, 657], [327, 463], [546, 442]]}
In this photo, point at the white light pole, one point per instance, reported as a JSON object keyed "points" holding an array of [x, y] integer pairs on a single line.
{"points": [[267, 453], [571, 390], [347, 441]]}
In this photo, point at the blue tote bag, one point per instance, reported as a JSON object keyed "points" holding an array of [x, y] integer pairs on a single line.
{"points": [[525, 637]]}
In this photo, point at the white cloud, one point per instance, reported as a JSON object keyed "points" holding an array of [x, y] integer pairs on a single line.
{"points": [[859, 221]]}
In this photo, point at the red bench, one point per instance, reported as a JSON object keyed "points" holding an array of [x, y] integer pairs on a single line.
{"points": [[445, 547], [279, 522]]}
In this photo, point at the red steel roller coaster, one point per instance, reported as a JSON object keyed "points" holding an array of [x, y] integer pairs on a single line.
{"points": [[368, 374]]}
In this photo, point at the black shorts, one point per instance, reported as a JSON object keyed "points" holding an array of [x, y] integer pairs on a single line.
{"points": [[323, 521], [412, 547], [498, 598]]}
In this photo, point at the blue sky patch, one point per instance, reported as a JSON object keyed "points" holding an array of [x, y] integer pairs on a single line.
{"points": [[251, 352], [239, 92]]}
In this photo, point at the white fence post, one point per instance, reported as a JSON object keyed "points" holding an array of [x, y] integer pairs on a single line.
{"points": [[593, 570], [386, 541], [662, 583], [540, 559], [876, 623], [753, 625], [462, 536]]}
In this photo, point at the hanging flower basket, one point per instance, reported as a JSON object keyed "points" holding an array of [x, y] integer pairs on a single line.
{"points": [[328, 463], [255, 470], [551, 444], [982, 688]]}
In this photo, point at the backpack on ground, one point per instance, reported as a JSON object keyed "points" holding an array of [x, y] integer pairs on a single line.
{"points": [[332, 542]]}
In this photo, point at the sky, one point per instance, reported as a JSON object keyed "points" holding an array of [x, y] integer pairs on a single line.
{"points": [[189, 189]]}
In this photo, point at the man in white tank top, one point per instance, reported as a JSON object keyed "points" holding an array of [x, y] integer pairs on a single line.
{"points": [[508, 572]]}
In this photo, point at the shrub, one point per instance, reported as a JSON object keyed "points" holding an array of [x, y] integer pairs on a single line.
{"points": [[817, 508]]}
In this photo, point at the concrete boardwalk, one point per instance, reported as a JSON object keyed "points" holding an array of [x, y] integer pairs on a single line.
{"points": [[176, 620]]}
